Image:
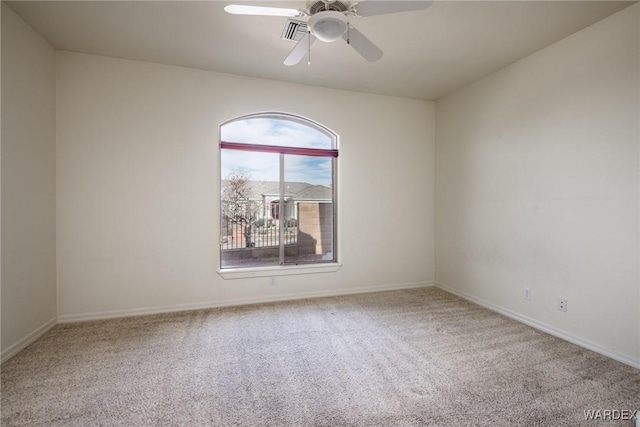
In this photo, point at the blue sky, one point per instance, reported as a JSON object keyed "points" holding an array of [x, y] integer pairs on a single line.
{"points": [[264, 166]]}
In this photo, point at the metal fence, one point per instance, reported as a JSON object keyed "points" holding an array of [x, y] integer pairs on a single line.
{"points": [[247, 227]]}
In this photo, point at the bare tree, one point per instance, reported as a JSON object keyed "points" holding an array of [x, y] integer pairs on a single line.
{"points": [[238, 210]]}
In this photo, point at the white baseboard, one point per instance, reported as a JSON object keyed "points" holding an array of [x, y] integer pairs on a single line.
{"points": [[627, 360], [69, 318], [24, 342]]}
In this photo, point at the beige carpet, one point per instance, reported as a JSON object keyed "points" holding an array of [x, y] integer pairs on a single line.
{"points": [[416, 357]]}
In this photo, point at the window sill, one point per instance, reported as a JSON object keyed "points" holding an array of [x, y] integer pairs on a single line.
{"points": [[279, 270]]}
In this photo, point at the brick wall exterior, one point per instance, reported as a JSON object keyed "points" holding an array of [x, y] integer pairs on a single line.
{"points": [[315, 228]]}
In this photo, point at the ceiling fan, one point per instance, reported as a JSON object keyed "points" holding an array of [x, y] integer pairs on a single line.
{"points": [[329, 20]]}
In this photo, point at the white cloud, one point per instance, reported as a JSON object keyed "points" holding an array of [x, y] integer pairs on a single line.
{"points": [[314, 170], [270, 131], [258, 166]]}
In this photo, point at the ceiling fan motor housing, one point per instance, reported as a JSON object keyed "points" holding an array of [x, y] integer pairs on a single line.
{"points": [[315, 6]]}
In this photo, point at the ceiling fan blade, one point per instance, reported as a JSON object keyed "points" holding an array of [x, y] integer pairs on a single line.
{"points": [[300, 49], [362, 45], [382, 7], [239, 9]]}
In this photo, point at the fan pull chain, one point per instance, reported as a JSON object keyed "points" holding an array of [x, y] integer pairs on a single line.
{"points": [[309, 49]]}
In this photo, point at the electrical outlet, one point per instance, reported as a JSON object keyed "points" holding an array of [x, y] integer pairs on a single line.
{"points": [[562, 304], [527, 294], [272, 281]]}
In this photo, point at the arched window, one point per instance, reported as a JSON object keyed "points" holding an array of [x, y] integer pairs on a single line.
{"points": [[277, 198]]}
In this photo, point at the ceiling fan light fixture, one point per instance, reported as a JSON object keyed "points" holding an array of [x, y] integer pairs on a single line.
{"points": [[328, 26]]}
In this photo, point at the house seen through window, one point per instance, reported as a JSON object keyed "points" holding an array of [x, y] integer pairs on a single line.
{"points": [[277, 196]]}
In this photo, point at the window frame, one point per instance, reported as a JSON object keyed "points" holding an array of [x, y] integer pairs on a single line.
{"points": [[298, 267]]}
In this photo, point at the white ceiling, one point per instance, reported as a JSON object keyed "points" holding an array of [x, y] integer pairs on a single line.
{"points": [[427, 54]]}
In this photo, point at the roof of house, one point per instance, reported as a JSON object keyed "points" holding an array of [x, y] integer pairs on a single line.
{"points": [[299, 191]]}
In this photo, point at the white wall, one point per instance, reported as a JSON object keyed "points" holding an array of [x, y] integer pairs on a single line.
{"points": [[28, 184], [537, 186], [138, 177]]}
